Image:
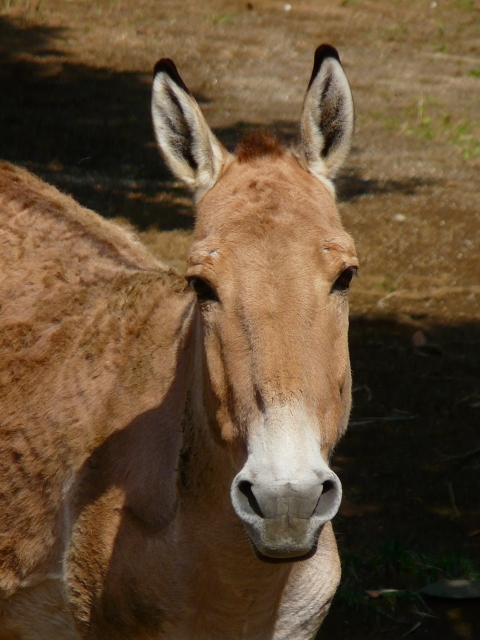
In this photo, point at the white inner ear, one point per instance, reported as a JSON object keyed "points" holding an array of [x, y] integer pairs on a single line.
{"points": [[327, 121], [167, 122], [189, 147]]}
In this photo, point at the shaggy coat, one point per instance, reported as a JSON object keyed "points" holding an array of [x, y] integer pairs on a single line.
{"points": [[164, 448]]}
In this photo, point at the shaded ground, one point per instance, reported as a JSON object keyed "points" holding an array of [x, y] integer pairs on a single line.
{"points": [[74, 108], [411, 509]]}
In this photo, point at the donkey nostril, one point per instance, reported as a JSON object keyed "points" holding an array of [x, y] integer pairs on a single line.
{"points": [[327, 486], [245, 487], [329, 501]]}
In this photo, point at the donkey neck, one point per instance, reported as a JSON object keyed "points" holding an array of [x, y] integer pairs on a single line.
{"points": [[206, 520], [206, 468]]}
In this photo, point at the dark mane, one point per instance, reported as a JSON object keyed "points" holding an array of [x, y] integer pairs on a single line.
{"points": [[257, 144]]}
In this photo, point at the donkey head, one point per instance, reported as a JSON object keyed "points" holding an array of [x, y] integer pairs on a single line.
{"points": [[271, 266]]}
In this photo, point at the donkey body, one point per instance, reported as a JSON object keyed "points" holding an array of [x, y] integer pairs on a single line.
{"points": [[164, 449]]}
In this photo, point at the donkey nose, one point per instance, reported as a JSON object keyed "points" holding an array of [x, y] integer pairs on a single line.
{"points": [[285, 492], [304, 501]]}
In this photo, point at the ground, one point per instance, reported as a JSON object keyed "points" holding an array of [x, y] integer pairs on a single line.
{"points": [[74, 108]]}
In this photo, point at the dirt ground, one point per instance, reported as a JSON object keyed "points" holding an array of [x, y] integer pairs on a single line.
{"points": [[74, 108]]}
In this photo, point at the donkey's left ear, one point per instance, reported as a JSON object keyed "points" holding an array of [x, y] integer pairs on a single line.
{"points": [[189, 147], [328, 115]]}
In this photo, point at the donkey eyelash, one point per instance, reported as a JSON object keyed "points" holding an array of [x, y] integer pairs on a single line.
{"points": [[342, 283], [204, 290]]}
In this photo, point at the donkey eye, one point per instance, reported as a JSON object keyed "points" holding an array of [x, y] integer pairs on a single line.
{"points": [[342, 283], [204, 290]]}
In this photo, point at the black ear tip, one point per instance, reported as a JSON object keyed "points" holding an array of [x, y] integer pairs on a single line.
{"points": [[323, 52], [165, 65]]}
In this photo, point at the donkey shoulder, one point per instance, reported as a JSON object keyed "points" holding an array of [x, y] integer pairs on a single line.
{"points": [[44, 218], [80, 300]]}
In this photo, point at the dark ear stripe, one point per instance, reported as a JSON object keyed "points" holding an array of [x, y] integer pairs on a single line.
{"points": [[323, 51], [165, 65], [182, 141], [331, 125]]}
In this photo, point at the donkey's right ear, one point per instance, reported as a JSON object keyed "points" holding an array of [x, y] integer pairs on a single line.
{"points": [[328, 116], [189, 147]]}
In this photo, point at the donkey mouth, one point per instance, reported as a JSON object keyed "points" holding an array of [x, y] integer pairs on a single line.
{"points": [[284, 538], [274, 559]]}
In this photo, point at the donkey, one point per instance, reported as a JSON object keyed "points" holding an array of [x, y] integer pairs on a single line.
{"points": [[165, 444]]}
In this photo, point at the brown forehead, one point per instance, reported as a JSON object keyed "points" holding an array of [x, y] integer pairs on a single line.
{"points": [[270, 196]]}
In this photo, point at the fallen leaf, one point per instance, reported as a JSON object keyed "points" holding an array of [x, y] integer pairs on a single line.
{"points": [[381, 592]]}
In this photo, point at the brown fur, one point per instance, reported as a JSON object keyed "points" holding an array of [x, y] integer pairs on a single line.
{"points": [[257, 144], [77, 299], [129, 407], [93, 330]]}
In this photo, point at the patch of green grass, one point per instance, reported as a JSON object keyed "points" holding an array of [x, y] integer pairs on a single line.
{"points": [[394, 558], [450, 565], [467, 137], [474, 72], [396, 574], [351, 597], [225, 18], [440, 24], [425, 120]]}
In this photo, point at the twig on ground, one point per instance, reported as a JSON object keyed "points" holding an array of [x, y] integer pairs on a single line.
{"points": [[414, 628], [371, 419], [365, 388], [461, 457], [456, 512], [466, 398]]}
